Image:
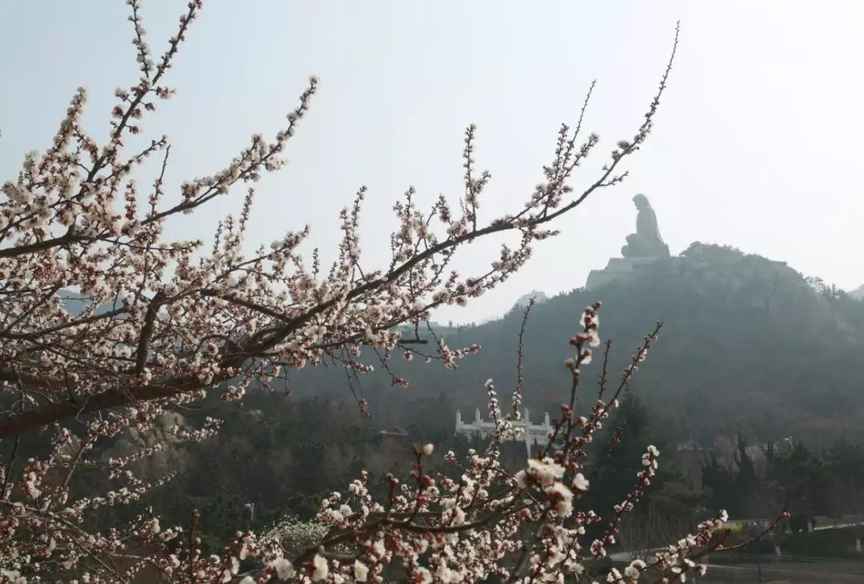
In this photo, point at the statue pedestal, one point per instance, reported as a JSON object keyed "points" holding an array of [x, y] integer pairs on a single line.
{"points": [[617, 269]]}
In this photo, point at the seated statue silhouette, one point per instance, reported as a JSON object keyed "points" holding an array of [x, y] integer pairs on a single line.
{"points": [[646, 242]]}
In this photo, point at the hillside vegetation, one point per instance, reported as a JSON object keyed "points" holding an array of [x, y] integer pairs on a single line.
{"points": [[748, 344]]}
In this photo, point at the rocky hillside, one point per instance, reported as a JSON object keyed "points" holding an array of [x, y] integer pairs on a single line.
{"points": [[747, 344]]}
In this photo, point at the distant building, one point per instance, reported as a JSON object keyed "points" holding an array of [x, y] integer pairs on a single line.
{"points": [[533, 435]]}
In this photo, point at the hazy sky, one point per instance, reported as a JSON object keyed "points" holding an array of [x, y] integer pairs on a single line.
{"points": [[758, 143]]}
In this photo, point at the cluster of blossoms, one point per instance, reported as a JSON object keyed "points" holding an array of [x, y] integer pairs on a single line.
{"points": [[105, 326], [157, 322], [475, 519]]}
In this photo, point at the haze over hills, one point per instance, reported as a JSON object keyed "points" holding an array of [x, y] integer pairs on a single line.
{"points": [[747, 344]]}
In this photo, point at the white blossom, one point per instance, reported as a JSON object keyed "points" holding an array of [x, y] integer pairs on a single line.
{"points": [[361, 571], [284, 568], [320, 568], [580, 483]]}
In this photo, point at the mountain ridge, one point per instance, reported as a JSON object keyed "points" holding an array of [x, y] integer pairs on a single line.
{"points": [[747, 343]]}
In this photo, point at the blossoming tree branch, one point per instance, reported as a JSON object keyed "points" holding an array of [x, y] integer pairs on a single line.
{"points": [[164, 323], [181, 321]]}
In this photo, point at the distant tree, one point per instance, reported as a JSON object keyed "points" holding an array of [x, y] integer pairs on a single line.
{"points": [[746, 479], [719, 483], [620, 454], [667, 510]]}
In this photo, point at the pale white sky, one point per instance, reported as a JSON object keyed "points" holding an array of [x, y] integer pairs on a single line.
{"points": [[757, 144]]}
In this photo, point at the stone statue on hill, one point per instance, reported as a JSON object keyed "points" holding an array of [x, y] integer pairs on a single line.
{"points": [[646, 242]]}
